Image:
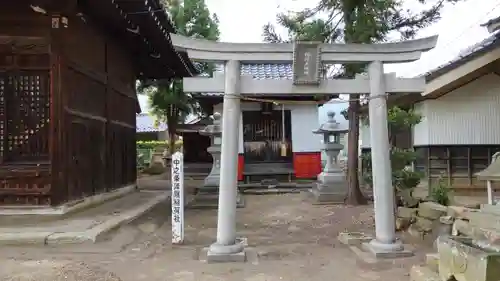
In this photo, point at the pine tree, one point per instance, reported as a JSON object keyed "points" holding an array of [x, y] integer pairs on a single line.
{"points": [[355, 21]]}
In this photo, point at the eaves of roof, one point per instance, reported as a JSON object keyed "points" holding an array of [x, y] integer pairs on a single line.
{"points": [[465, 56]]}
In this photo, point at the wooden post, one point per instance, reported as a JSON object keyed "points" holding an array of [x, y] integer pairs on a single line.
{"points": [[177, 197]]}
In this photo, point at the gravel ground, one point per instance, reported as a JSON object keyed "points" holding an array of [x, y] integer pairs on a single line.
{"points": [[294, 239]]}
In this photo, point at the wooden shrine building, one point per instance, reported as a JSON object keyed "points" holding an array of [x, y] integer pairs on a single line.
{"points": [[68, 101]]}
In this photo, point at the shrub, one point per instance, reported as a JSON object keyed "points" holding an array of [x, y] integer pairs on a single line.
{"points": [[403, 177], [155, 144], [441, 193]]}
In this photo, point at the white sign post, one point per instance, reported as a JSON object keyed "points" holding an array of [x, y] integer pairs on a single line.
{"points": [[177, 198]]}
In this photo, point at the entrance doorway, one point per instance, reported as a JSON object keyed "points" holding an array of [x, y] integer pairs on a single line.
{"points": [[263, 136]]}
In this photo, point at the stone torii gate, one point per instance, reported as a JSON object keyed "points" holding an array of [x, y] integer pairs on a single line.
{"points": [[307, 58]]}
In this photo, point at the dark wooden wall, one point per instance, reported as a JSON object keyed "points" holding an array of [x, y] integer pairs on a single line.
{"points": [[99, 103], [24, 106], [67, 109]]}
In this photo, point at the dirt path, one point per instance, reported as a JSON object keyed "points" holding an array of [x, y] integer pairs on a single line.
{"points": [[295, 241]]}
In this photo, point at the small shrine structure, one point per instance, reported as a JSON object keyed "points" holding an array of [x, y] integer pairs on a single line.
{"points": [[272, 141]]}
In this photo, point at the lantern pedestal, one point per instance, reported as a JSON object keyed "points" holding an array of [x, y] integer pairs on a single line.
{"points": [[331, 187], [207, 196], [332, 184]]}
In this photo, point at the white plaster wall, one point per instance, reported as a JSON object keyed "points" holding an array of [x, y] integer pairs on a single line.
{"points": [[468, 115], [304, 121], [364, 136]]}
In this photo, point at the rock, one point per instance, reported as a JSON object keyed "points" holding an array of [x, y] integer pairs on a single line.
{"points": [[402, 223], [405, 212], [424, 225], [444, 226], [415, 232], [423, 273], [474, 206], [456, 211], [408, 199], [484, 220], [462, 227], [431, 210]]}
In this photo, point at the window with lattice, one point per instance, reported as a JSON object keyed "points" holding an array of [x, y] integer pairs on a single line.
{"points": [[24, 116]]}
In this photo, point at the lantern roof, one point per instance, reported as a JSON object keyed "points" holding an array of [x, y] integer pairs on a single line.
{"points": [[213, 129], [331, 126]]}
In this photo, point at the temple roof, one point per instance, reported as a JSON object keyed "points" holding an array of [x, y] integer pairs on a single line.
{"points": [[465, 55], [260, 71], [144, 28]]}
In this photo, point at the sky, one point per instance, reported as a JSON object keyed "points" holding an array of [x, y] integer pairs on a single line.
{"points": [[242, 20]]}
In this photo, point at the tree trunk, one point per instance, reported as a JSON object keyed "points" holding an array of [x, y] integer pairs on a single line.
{"points": [[172, 128], [354, 195], [351, 35]]}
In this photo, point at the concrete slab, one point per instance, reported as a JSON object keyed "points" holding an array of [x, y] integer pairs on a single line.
{"points": [[218, 258], [354, 238], [368, 260], [248, 255], [79, 228]]}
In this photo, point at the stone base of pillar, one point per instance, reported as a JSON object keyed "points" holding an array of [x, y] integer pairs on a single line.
{"points": [[208, 198], [227, 253], [331, 189], [387, 251]]}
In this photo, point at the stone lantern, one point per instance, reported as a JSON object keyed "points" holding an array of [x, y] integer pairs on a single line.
{"points": [[332, 184], [207, 195]]}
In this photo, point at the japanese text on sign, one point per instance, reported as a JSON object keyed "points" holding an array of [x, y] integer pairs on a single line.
{"points": [[177, 198]]}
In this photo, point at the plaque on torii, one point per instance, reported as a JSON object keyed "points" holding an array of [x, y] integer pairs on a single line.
{"points": [[306, 63]]}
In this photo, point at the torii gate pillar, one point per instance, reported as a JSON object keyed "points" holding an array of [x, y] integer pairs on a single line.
{"points": [[226, 247], [307, 59], [383, 192]]}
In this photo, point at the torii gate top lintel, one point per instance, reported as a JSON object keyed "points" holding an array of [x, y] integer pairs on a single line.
{"points": [[206, 50]]}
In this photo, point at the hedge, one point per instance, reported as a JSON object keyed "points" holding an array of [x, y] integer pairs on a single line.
{"points": [[154, 144]]}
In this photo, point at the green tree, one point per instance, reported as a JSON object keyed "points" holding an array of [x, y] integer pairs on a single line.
{"points": [[167, 99], [355, 21], [404, 179]]}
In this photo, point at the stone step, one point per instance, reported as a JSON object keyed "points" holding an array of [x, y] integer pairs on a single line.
{"points": [[263, 191], [484, 220], [423, 273]]}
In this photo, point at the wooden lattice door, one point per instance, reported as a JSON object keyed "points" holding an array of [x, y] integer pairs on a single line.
{"points": [[24, 116]]}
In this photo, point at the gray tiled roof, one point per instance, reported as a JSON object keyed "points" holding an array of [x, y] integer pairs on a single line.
{"points": [[268, 71], [261, 71], [465, 55], [145, 123]]}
